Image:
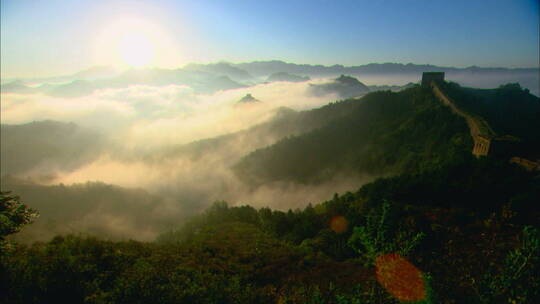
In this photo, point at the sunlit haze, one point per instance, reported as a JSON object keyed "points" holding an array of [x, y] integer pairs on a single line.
{"points": [[269, 151], [131, 41], [45, 38]]}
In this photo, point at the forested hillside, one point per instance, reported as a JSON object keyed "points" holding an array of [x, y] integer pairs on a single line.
{"points": [[285, 122], [466, 247], [388, 133], [385, 133], [509, 109]]}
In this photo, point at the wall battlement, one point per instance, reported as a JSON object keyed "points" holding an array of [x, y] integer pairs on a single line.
{"points": [[526, 163], [429, 77], [481, 146]]}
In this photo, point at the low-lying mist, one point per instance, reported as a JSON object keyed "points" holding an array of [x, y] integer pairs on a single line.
{"points": [[136, 139], [148, 141]]}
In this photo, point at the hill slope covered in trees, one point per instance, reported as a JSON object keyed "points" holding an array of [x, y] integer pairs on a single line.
{"points": [[383, 133], [388, 133]]}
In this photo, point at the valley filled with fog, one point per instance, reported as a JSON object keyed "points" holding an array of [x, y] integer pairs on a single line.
{"points": [[129, 154]]}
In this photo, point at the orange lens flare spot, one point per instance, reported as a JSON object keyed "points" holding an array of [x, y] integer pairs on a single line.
{"points": [[400, 278], [339, 224]]}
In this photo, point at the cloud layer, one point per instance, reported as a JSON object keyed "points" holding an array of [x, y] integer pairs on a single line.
{"points": [[140, 126]]}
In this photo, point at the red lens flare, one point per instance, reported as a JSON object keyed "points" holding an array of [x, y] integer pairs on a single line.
{"points": [[339, 224], [400, 278]]}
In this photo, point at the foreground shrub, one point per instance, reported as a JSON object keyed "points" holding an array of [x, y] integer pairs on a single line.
{"points": [[381, 235], [517, 279]]}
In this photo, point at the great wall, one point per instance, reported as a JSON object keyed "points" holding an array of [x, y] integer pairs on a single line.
{"points": [[482, 141], [483, 136]]}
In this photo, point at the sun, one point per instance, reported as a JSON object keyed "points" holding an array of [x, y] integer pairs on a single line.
{"points": [[136, 49], [131, 41]]}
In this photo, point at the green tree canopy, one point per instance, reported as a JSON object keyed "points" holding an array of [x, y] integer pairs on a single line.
{"points": [[13, 215]]}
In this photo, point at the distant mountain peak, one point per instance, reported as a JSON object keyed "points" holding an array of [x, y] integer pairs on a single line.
{"points": [[248, 99], [349, 80], [220, 68], [344, 86]]}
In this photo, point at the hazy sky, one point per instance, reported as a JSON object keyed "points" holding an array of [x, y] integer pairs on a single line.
{"points": [[40, 38]]}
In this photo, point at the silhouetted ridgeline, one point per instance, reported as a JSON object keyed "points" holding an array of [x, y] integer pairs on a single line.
{"points": [[208, 78]]}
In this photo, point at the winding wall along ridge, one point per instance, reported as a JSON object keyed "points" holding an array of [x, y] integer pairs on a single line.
{"points": [[482, 142]]}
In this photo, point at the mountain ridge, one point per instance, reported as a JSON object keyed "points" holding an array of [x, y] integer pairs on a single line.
{"points": [[386, 133], [412, 67]]}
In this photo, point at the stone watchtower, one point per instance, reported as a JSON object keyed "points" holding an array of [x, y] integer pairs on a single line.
{"points": [[481, 146], [428, 77]]}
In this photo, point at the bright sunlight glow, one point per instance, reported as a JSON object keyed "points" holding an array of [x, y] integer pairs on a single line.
{"points": [[136, 49], [132, 41]]}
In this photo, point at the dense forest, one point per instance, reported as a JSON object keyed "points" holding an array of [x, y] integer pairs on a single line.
{"points": [[438, 226]]}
